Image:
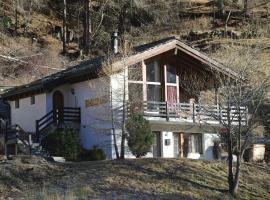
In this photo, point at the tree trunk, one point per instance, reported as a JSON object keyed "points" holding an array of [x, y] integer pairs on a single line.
{"points": [[230, 168], [87, 26], [28, 17], [16, 16], [113, 125], [245, 6], [123, 138], [237, 175], [64, 26]]}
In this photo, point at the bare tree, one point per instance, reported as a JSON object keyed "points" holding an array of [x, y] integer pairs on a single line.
{"points": [[87, 26], [64, 26], [239, 102], [119, 97]]}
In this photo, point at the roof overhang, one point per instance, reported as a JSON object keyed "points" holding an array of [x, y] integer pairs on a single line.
{"points": [[90, 71]]}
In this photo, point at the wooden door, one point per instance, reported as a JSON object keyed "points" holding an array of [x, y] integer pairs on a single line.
{"points": [[176, 145], [58, 105], [172, 94], [157, 145]]}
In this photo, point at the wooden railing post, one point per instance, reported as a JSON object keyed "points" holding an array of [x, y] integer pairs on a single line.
{"points": [[193, 112], [37, 131], [6, 137], [79, 114], [17, 138], [30, 143], [167, 112]]}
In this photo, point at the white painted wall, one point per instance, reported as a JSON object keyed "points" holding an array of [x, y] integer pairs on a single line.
{"points": [[95, 120], [27, 114]]}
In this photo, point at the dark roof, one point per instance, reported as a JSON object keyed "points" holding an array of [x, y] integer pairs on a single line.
{"points": [[88, 69], [49, 82]]}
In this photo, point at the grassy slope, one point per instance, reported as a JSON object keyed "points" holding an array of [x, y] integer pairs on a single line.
{"points": [[133, 179]]}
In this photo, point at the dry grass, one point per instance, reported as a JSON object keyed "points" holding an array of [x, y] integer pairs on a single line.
{"points": [[132, 179]]}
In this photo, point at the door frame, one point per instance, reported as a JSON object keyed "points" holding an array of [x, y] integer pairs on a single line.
{"points": [[56, 93]]}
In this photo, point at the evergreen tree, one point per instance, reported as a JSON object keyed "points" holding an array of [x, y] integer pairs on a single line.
{"points": [[140, 137]]}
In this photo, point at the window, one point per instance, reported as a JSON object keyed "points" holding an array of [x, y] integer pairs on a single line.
{"points": [[171, 74], [154, 93], [153, 72], [32, 100], [135, 73], [195, 143], [17, 103]]}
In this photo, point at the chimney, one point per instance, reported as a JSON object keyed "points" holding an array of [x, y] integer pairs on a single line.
{"points": [[115, 43]]}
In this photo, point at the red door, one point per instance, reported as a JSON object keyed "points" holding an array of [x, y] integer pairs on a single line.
{"points": [[172, 97], [172, 94]]}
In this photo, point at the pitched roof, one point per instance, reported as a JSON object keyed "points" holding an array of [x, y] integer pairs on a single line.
{"points": [[88, 69]]}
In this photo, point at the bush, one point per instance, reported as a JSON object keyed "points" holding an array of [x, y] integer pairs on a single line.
{"points": [[63, 142], [216, 149], [92, 154], [140, 137], [248, 155], [267, 152]]}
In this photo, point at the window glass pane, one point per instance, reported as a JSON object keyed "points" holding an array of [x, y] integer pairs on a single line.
{"points": [[17, 103], [171, 74], [195, 143], [154, 93], [152, 72], [33, 100], [135, 92], [135, 73]]}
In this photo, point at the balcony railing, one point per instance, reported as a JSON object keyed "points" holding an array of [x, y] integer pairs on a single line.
{"points": [[189, 112]]}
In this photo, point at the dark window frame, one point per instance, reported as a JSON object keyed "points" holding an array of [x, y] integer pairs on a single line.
{"points": [[33, 100], [17, 103]]}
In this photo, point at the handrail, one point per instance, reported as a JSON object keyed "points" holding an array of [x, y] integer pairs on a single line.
{"points": [[17, 133], [57, 116], [189, 111]]}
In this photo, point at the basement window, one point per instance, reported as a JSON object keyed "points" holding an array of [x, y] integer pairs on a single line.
{"points": [[17, 103], [32, 100]]}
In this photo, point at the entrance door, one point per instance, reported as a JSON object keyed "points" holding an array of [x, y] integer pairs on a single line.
{"points": [[172, 94], [157, 145], [176, 146], [58, 105]]}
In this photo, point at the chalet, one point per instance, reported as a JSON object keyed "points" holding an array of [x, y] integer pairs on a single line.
{"points": [[163, 80]]}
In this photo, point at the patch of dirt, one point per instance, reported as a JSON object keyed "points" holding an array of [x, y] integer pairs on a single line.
{"points": [[35, 178]]}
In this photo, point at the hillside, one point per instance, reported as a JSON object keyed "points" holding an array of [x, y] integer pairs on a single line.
{"points": [[35, 51], [130, 179]]}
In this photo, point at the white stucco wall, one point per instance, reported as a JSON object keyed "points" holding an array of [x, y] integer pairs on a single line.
{"points": [[27, 114], [95, 120]]}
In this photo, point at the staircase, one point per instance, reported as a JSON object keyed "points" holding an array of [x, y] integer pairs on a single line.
{"points": [[17, 141], [57, 118]]}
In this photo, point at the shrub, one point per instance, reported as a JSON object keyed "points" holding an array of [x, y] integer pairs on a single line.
{"points": [[140, 137], [248, 155], [216, 149], [92, 154], [63, 142], [267, 152]]}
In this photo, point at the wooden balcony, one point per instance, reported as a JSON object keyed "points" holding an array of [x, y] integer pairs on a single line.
{"points": [[189, 112]]}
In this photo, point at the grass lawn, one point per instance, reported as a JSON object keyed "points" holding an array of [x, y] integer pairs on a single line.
{"points": [[130, 179]]}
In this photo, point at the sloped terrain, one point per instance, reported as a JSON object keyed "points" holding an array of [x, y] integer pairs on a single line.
{"points": [[129, 179], [198, 22]]}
